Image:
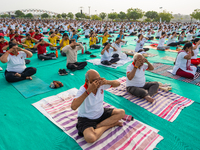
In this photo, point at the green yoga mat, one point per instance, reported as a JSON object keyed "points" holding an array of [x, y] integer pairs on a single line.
{"points": [[29, 88]]}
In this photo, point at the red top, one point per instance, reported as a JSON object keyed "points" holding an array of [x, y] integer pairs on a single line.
{"points": [[11, 35], [38, 36], [42, 48], [18, 38], [2, 45], [31, 33]]}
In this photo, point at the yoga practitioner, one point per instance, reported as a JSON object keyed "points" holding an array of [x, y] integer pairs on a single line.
{"points": [[64, 42], [93, 41], [135, 79], [196, 45], [53, 40], [3, 43], [172, 40], [29, 42], [140, 43], [182, 65], [93, 119], [162, 42], [42, 52], [71, 53], [15, 59], [107, 57], [117, 44]]}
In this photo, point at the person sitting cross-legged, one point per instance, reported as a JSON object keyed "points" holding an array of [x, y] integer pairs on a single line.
{"points": [[93, 118], [42, 52], [71, 53], [15, 59], [135, 80]]}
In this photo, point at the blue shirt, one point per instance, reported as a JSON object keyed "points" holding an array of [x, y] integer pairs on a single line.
{"points": [[121, 36], [75, 37]]}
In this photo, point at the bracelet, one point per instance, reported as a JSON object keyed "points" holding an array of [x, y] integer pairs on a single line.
{"points": [[87, 92], [136, 67], [8, 52]]}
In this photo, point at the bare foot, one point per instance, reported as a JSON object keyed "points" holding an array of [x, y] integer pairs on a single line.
{"points": [[149, 99], [17, 74], [118, 123], [29, 78]]}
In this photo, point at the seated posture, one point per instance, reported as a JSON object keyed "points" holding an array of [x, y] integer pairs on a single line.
{"points": [[140, 43], [3, 43], [38, 35], [162, 42], [53, 40], [106, 55], [93, 41], [93, 119], [64, 42], [75, 35], [15, 59], [105, 37], [183, 61], [42, 52], [181, 38], [196, 45], [121, 35], [135, 80], [149, 36], [71, 53], [117, 44], [172, 40], [29, 42]]}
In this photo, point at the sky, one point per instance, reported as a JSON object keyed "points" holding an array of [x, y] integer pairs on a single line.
{"points": [[107, 6]]}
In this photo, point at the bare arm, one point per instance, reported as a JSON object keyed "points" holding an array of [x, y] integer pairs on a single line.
{"points": [[189, 55], [29, 54], [131, 74]]}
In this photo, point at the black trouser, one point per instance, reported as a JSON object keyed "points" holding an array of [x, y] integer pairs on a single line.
{"points": [[45, 32], [157, 37], [32, 50], [27, 61], [54, 48], [62, 53], [1, 54], [133, 33], [151, 38], [46, 57], [95, 46], [106, 62], [150, 88], [76, 65], [144, 49], [10, 76], [87, 36], [183, 42], [174, 44], [115, 55]]}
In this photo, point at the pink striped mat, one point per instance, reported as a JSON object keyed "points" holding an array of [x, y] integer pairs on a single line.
{"points": [[167, 105], [133, 134]]}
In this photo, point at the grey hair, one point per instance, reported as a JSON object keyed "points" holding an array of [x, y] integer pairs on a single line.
{"points": [[87, 76], [136, 55]]}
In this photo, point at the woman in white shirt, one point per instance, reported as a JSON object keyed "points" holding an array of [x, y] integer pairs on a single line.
{"points": [[15, 59], [182, 65], [162, 42], [106, 55]]}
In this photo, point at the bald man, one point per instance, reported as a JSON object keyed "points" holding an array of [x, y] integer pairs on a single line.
{"points": [[135, 80], [93, 119]]}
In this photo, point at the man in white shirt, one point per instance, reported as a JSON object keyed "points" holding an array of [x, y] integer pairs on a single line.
{"points": [[135, 80], [140, 43], [93, 119]]}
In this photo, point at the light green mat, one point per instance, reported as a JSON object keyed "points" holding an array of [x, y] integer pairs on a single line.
{"points": [[23, 127]]}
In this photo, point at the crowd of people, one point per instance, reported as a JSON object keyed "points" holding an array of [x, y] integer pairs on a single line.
{"points": [[32, 37]]}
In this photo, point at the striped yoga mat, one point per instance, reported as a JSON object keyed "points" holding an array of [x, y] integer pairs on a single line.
{"points": [[162, 69], [133, 134], [167, 105]]}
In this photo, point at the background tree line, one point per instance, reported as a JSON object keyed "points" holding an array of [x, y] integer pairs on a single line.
{"points": [[132, 14]]}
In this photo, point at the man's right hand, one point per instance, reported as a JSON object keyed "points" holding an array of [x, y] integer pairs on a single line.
{"points": [[92, 86]]}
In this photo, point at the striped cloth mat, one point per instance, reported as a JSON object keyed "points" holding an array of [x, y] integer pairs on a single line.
{"points": [[133, 134], [167, 105], [162, 69]]}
